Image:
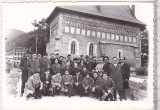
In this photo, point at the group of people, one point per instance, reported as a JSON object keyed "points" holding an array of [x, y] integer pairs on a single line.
{"points": [[83, 76]]}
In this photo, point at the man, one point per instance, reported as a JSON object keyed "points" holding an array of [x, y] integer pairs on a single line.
{"points": [[33, 65], [97, 89], [46, 80], [108, 87], [126, 76], [44, 64], [115, 74], [67, 67], [39, 56], [88, 63], [77, 83], [67, 84], [8, 66], [74, 69], [24, 69], [87, 84], [106, 64], [70, 60], [93, 63], [99, 66], [34, 87], [56, 84], [51, 62]]}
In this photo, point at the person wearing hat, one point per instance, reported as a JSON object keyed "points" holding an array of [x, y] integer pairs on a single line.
{"points": [[34, 87], [108, 87], [126, 76], [46, 80], [77, 83], [67, 83], [56, 84], [33, 65], [87, 83], [44, 63], [106, 64]]}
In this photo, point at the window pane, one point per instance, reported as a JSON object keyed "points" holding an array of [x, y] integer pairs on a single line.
{"points": [[112, 36], [88, 32], [103, 35], [121, 37], [77, 31], [130, 39], [93, 33], [72, 30], [126, 38], [134, 39], [117, 37], [98, 34], [67, 29], [108, 36], [83, 32]]}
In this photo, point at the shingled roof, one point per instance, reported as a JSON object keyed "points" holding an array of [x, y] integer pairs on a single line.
{"points": [[117, 12]]}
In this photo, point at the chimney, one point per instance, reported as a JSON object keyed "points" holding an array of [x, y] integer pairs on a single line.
{"points": [[133, 10]]}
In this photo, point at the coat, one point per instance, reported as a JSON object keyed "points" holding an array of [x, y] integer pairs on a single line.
{"points": [[88, 65], [33, 66], [44, 79], [56, 68], [78, 79], [115, 74], [24, 69], [56, 79], [87, 82], [107, 84], [67, 78], [44, 64], [32, 84], [125, 75], [69, 69], [97, 81], [74, 70], [106, 67]]}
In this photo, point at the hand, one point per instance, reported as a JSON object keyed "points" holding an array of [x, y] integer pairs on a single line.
{"points": [[76, 84], [41, 88], [66, 83], [106, 94], [86, 88], [47, 82], [93, 89], [109, 91]]}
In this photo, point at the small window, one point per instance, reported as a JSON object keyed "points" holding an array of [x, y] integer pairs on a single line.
{"points": [[88, 32], [98, 34], [108, 36], [93, 33], [126, 38], [117, 37], [103, 35], [91, 49], [73, 48], [72, 30], [67, 29], [112, 36], [130, 39], [121, 37], [78, 31], [83, 32]]}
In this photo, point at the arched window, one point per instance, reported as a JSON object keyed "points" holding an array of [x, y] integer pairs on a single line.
{"points": [[103, 35], [73, 47], [78, 31], [121, 37], [88, 32], [117, 37], [72, 30], [91, 49], [130, 39], [112, 36], [126, 38], [134, 39], [108, 36], [93, 33], [66, 29], [98, 34], [83, 32]]}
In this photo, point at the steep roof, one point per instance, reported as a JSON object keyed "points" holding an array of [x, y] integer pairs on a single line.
{"points": [[117, 12]]}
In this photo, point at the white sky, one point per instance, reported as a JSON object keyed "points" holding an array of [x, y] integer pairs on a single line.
{"points": [[21, 15]]}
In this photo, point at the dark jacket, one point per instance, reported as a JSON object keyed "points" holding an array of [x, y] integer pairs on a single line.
{"points": [[74, 70], [44, 63], [97, 81], [106, 67], [69, 69], [78, 79], [44, 79], [126, 75], [56, 68], [23, 67], [87, 82]]}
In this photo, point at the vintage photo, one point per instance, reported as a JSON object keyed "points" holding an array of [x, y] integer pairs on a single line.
{"points": [[84, 55]]}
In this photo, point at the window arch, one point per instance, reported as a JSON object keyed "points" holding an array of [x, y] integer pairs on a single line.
{"points": [[91, 47], [73, 47], [72, 30], [66, 29], [108, 36], [78, 31]]}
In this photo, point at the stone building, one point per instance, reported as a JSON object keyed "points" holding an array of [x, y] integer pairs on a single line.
{"points": [[111, 30]]}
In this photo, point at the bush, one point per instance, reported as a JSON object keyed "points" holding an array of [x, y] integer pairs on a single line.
{"points": [[142, 71]]}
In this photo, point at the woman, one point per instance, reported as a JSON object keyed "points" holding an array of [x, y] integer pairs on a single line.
{"points": [[56, 67], [81, 64]]}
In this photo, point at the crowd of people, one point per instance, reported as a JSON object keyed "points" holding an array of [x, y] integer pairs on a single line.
{"points": [[51, 75]]}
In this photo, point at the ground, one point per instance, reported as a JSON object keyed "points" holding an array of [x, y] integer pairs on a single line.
{"points": [[13, 101]]}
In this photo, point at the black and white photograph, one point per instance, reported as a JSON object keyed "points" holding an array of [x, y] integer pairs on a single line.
{"points": [[82, 55]]}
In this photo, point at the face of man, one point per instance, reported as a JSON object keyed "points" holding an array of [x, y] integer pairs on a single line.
{"points": [[105, 60], [66, 72], [95, 75], [47, 72], [87, 76], [34, 56], [67, 64], [36, 75], [56, 61], [115, 60], [100, 60], [78, 73], [69, 57], [100, 74], [75, 65], [104, 76], [52, 56]]}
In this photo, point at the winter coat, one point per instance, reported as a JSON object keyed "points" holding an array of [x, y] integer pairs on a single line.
{"points": [[33, 66], [24, 69], [78, 79], [74, 70], [32, 84], [99, 67], [44, 79], [44, 64], [87, 82], [125, 75], [116, 75], [56, 68], [69, 69], [56, 79], [67, 78], [97, 81], [106, 67]]}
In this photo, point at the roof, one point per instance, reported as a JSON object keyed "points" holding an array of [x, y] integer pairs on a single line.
{"points": [[117, 12]]}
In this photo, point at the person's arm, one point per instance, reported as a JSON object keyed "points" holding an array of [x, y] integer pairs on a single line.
{"points": [[29, 67], [21, 64]]}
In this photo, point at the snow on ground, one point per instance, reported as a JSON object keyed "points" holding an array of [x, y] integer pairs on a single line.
{"points": [[138, 80]]}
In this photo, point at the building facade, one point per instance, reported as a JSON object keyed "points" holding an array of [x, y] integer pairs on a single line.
{"points": [[96, 31]]}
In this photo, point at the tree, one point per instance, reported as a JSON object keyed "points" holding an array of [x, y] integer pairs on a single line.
{"points": [[42, 33], [144, 48]]}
